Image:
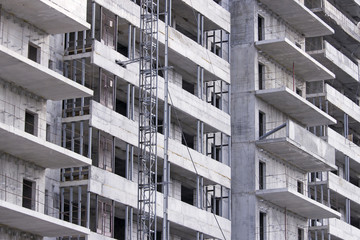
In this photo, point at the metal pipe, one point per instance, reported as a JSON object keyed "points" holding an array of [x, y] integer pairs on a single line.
{"points": [[273, 131]]}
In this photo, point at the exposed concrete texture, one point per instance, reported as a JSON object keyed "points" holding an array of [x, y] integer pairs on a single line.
{"points": [[49, 15], [182, 100], [127, 130], [343, 145], [344, 188], [37, 78], [37, 223], [38, 151], [288, 54], [299, 17], [297, 203], [301, 148], [344, 104], [297, 107], [342, 230], [217, 15], [183, 51], [346, 71]]}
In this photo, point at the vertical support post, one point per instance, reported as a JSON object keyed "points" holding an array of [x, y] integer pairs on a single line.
{"points": [[130, 42], [127, 161], [71, 204], [347, 168], [88, 208], [89, 142], [348, 208], [93, 26], [133, 42], [62, 206], [96, 211], [126, 222], [112, 217], [128, 102], [115, 92], [131, 163], [79, 206], [113, 154], [132, 102]]}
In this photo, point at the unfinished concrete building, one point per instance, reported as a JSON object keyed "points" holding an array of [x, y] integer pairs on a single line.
{"points": [[70, 119], [295, 106]]}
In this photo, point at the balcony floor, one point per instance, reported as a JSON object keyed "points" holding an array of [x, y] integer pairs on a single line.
{"points": [[46, 15], [38, 79], [37, 223], [297, 203], [33, 149]]}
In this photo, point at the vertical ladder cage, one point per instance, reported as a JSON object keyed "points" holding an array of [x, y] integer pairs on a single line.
{"points": [[148, 100]]}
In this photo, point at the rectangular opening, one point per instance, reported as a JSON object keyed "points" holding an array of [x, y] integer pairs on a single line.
{"points": [[48, 132], [31, 122], [262, 178], [216, 152], [215, 205], [107, 90], [121, 107], [187, 195], [120, 167], [262, 226], [189, 140], [28, 196], [215, 100], [261, 76], [298, 91], [119, 230], [34, 52], [105, 153], [300, 234], [300, 187], [262, 125], [108, 28], [261, 28], [189, 87], [105, 214]]}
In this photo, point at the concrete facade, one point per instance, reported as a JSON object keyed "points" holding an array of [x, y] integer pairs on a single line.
{"points": [[291, 58]]}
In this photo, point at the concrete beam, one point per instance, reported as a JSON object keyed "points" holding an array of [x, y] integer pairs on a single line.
{"points": [[37, 223], [301, 148], [342, 230], [300, 17], [288, 55], [344, 188], [297, 203], [37, 78], [51, 16], [295, 106], [34, 149]]}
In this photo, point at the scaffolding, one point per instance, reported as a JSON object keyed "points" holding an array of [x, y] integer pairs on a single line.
{"points": [[147, 178]]}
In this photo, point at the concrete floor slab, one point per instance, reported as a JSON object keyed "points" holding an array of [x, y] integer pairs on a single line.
{"points": [[33, 149], [46, 15], [288, 55], [37, 223], [37, 78], [300, 17], [297, 203], [295, 106]]}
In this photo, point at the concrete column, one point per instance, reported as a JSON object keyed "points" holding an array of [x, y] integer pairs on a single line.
{"points": [[348, 209]]}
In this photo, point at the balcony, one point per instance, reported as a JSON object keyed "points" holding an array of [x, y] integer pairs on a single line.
{"points": [[297, 203], [37, 78], [347, 32], [37, 223], [300, 17], [53, 17], [295, 106], [346, 71], [289, 55], [346, 189], [338, 229], [127, 130], [33, 149], [299, 147]]}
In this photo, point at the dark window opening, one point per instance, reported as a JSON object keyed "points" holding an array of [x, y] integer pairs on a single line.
{"points": [[121, 107], [159, 186], [215, 49], [300, 187], [30, 123], [187, 195], [189, 87], [261, 124], [261, 28], [34, 52], [298, 91], [120, 167], [262, 226], [48, 132], [122, 49], [216, 152], [300, 234], [261, 76], [262, 170], [215, 208], [160, 126], [28, 197], [119, 228], [189, 140], [215, 100], [354, 180]]}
